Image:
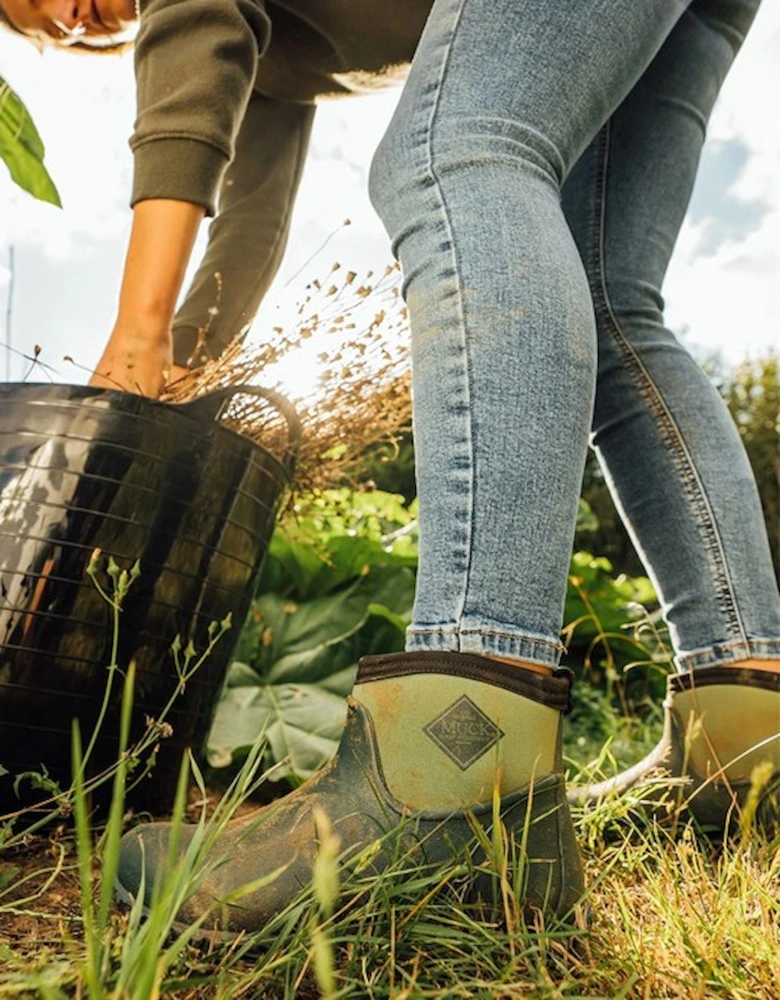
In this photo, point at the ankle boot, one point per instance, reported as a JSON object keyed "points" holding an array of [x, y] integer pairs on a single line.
{"points": [[429, 739], [720, 723]]}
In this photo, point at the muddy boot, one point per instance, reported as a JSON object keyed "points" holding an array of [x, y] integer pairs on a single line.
{"points": [[427, 739], [721, 744]]}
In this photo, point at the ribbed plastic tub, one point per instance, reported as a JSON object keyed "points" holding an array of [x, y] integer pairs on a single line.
{"points": [[165, 485]]}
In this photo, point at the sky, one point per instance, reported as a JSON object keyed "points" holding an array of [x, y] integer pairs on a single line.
{"points": [[722, 291]]}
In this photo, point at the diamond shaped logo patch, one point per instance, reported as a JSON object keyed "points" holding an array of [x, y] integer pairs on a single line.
{"points": [[464, 732]]}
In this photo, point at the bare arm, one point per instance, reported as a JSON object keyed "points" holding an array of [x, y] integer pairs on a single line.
{"points": [[195, 64], [139, 354]]}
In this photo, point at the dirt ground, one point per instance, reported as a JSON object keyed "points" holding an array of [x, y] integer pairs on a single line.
{"points": [[40, 905], [40, 891]]}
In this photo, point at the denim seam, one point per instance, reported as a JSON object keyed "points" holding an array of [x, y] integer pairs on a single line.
{"points": [[469, 430], [559, 647], [729, 653], [668, 429]]}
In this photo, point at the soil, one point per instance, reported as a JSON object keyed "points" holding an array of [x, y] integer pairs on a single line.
{"points": [[40, 891], [40, 894]]}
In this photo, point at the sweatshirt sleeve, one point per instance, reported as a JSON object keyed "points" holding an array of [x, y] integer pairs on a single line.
{"points": [[248, 237], [195, 63]]}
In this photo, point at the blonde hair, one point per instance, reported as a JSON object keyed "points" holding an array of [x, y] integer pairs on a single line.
{"points": [[69, 44]]}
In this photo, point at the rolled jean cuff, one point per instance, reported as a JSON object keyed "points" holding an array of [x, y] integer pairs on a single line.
{"points": [[725, 653], [485, 641]]}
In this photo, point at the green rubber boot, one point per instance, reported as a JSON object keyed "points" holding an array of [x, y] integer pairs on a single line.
{"points": [[428, 738], [721, 744]]}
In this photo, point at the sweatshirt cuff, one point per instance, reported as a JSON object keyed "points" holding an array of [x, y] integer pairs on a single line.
{"points": [[180, 169]]}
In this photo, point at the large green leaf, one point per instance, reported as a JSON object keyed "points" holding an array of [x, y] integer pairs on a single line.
{"points": [[280, 627], [301, 723], [299, 664], [22, 149], [283, 629]]}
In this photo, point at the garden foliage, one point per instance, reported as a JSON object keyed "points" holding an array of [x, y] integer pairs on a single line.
{"points": [[752, 394], [21, 147], [338, 584]]}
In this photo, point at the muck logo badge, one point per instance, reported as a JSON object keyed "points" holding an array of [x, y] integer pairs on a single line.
{"points": [[464, 732]]}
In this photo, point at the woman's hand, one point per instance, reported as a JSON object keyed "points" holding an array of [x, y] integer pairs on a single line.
{"points": [[135, 362]]}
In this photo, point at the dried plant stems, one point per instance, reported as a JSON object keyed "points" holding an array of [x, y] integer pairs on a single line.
{"points": [[343, 364]]}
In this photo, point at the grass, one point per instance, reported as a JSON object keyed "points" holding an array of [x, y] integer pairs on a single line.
{"points": [[668, 913], [672, 916]]}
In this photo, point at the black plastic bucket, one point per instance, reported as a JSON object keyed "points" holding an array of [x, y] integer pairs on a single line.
{"points": [[165, 485]]}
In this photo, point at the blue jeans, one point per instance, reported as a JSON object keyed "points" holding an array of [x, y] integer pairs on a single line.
{"points": [[533, 181]]}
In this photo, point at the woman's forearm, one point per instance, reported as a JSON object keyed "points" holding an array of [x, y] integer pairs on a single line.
{"points": [[161, 242], [138, 355]]}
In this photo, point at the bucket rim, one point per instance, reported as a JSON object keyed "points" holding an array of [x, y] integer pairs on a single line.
{"points": [[217, 399]]}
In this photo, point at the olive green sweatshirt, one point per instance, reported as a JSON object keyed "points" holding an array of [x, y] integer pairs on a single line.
{"points": [[226, 91]]}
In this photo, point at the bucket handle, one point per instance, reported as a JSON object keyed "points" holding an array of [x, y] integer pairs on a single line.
{"points": [[215, 403]]}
